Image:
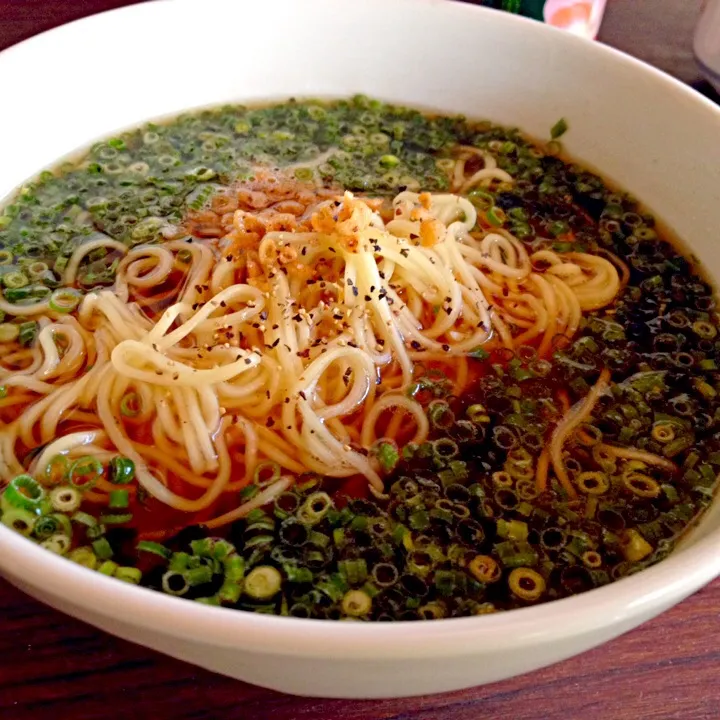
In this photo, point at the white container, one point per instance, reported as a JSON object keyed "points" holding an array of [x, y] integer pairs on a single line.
{"points": [[643, 129]]}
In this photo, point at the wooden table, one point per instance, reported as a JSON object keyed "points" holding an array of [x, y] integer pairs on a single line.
{"points": [[54, 667]]}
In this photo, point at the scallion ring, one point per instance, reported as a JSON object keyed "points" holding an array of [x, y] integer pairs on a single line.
{"points": [[65, 300], [26, 493], [20, 520], [58, 543], [84, 473], [65, 498]]}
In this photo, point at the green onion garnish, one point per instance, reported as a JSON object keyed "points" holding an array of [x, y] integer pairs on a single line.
{"points": [[9, 332], [116, 518], [65, 300], [84, 473], [119, 499], [24, 492], [154, 549], [559, 129], [65, 499]]}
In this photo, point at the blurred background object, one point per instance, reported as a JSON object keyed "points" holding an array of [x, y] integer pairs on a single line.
{"points": [[581, 17], [706, 45]]}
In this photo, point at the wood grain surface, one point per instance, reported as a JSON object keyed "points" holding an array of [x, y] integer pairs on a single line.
{"points": [[57, 668]]}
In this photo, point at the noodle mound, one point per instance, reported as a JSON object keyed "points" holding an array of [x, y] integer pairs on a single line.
{"points": [[286, 328]]}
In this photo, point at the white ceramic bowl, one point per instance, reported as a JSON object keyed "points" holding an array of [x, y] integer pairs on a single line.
{"points": [[641, 128]]}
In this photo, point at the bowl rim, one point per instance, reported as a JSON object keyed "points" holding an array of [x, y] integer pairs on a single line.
{"points": [[640, 595]]}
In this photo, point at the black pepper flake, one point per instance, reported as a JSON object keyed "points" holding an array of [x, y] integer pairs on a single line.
{"points": [[229, 258], [223, 304], [332, 249], [349, 282], [356, 292], [404, 252], [415, 345], [198, 288], [448, 310], [288, 348], [248, 361], [380, 342], [302, 395], [269, 422], [351, 344], [414, 236], [287, 400], [277, 340], [311, 282], [264, 315], [297, 318], [346, 376], [267, 394], [368, 298], [381, 274], [445, 347], [303, 251]]}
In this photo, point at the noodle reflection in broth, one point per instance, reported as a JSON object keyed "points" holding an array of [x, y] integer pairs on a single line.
{"points": [[434, 379]]}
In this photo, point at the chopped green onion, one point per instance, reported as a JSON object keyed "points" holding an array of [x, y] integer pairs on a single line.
{"points": [[122, 471], [64, 300], [48, 525], [119, 499], [131, 405], [102, 549], [83, 518], [84, 556], [84, 473], [263, 582], [249, 492], [154, 549], [58, 543], [266, 473], [495, 216], [24, 492], [56, 469], [129, 575], [315, 508], [65, 498], [354, 571], [386, 451], [20, 520], [559, 129], [356, 603], [108, 568], [27, 333], [9, 332], [179, 562], [175, 583], [14, 280], [116, 518], [198, 576]]}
